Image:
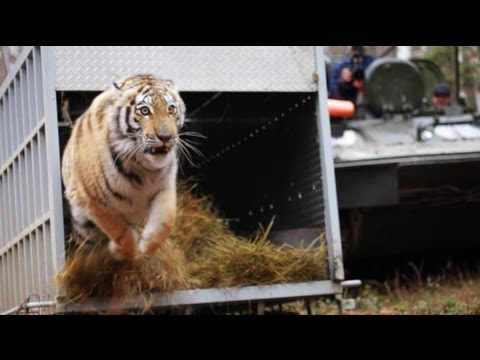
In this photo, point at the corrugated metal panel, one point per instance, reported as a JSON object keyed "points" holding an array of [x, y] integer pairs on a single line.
{"points": [[192, 68], [31, 228]]}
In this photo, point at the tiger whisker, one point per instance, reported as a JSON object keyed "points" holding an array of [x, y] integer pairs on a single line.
{"points": [[192, 134], [133, 152], [185, 153], [191, 147]]}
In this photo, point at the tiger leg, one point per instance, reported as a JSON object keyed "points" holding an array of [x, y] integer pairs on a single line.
{"points": [[83, 226], [160, 221], [123, 239]]}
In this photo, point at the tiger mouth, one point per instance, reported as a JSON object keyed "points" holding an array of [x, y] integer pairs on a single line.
{"points": [[157, 150]]}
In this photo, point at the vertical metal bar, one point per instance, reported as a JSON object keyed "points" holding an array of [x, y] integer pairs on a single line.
{"points": [[43, 177], [332, 225], [33, 272], [21, 191], [30, 192], [28, 264], [31, 240], [5, 207], [3, 199], [5, 128], [456, 59], [5, 277], [32, 98], [41, 258], [36, 173], [8, 221], [11, 120], [14, 203], [8, 124], [21, 135], [13, 276], [18, 188], [3, 288], [34, 88], [18, 270], [16, 116], [16, 277], [36, 264], [21, 265], [3, 151], [23, 105], [2, 131], [53, 156], [37, 68], [2, 211], [9, 280], [49, 271], [43, 261], [4, 284]]}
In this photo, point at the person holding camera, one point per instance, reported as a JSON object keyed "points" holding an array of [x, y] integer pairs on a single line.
{"points": [[348, 77]]}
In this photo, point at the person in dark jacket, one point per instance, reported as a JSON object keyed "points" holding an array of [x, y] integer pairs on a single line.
{"points": [[348, 77]]}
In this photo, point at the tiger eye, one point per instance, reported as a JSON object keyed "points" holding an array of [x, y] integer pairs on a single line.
{"points": [[144, 111], [171, 109]]}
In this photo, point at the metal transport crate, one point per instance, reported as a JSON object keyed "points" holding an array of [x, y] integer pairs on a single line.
{"points": [[274, 138]]}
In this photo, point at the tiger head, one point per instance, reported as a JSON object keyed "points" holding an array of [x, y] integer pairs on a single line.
{"points": [[150, 113]]}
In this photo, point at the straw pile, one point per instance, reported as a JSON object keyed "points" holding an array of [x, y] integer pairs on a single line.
{"points": [[201, 253]]}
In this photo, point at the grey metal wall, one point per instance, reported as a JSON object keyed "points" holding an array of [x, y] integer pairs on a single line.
{"points": [[31, 221]]}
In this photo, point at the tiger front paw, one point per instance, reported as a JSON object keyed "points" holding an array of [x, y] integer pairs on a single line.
{"points": [[148, 247], [121, 253]]}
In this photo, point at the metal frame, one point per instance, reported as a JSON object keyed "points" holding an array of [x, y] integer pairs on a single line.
{"points": [[213, 296], [31, 231], [333, 286], [332, 223], [53, 156]]}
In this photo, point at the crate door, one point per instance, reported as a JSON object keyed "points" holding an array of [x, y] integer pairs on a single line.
{"points": [[31, 221]]}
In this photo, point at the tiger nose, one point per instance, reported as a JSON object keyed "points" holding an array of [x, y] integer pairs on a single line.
{"points": [[164, 138]]}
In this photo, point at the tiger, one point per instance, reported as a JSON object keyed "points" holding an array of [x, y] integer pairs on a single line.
{"points": [[119, 166]]}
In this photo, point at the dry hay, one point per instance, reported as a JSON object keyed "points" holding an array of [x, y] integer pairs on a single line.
{"points": [[201, 253]]}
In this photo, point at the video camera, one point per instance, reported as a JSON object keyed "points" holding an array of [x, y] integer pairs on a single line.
{"points": [[358, 72]]}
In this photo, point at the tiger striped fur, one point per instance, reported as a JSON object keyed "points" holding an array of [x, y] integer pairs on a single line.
{"points": [[120, 164]]}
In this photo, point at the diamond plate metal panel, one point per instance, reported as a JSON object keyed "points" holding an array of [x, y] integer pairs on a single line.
{"points": [[192, 68]]}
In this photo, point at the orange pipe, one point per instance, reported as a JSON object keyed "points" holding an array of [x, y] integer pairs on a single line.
{"points": [[340, 108]]}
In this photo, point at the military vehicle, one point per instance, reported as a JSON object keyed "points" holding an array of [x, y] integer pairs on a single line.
{"points": [[408, 179]]}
